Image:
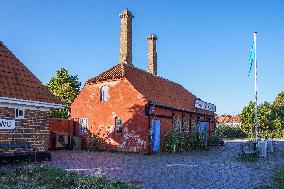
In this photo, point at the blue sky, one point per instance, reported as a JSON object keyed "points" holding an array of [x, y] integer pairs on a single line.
{"points": [[203, 45]]}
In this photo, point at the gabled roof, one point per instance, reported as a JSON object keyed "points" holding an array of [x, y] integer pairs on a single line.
{"points": [[154, 88], [18, 82]]}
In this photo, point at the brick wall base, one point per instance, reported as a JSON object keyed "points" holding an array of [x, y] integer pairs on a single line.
{"points": [[32, 129]]}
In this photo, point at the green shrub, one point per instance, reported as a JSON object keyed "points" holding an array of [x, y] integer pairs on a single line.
{"points": [[216, 138], [95, 143], [195, 141], [173, 141], [231, 132]]}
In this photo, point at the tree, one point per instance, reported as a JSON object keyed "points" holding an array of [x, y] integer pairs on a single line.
{"points": [[66, 87], [247, 118], [279, 100], [279, 111], [270, 119], [265, 120]]}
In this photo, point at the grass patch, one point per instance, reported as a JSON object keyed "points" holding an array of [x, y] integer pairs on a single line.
{"points": [[246, 158], [45, 176], [279, 178]]}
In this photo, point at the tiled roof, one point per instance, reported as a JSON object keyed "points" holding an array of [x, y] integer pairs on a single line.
{"points": [[17, 81], [113, 73], [152, 87], [228, 119]]}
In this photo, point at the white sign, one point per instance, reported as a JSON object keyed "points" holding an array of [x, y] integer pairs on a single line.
{"points": [[205, 105], [7, 124]]}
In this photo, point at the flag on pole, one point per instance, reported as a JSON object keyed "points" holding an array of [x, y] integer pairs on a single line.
{"points": [[251, 56]]}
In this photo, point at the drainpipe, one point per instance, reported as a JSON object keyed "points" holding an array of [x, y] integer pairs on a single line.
{"points": [[150, 136]]}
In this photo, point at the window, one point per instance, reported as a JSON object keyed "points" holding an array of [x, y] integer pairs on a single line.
{"points": [[185, 125], [83, 125], [19, 113], [177, 123], [104, 93], [118, 125], [194, 124]]}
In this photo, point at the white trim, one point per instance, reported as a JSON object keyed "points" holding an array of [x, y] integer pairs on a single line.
{"points": [[14, 106], [30, 103]]}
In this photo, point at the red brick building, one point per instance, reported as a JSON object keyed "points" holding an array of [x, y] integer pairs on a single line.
{"points": [[24, 105], [120, 104]]}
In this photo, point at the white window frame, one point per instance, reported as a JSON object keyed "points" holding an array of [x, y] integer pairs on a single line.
{"points": [[116, 125], [81, 120], [177, 123], [186, 123], [17, 116], [104, 93]]}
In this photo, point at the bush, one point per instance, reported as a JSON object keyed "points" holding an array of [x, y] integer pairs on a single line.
{"points": [[95, 143], [216, 139], [195, 141], [231, 132], [173, 141]]}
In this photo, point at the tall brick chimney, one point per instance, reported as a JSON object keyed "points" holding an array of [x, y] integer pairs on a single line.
{"points": [[125, 55], [152, 54]]}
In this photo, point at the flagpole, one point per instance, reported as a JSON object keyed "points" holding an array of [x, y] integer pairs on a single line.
{"points": [[255, 88]]}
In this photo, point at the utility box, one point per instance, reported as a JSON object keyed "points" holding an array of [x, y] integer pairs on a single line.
{"points": [[77, 143], [269, 145], [262, 148]]}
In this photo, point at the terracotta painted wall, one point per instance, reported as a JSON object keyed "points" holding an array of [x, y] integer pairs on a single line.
{"points": [[123, 101]]}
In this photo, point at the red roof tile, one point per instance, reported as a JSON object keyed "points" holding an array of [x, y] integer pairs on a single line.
{"points": [[17, 81], [154, 88], [228, 119]]}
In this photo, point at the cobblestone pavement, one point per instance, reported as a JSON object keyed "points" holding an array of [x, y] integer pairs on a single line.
{"points": [[216, 168]]}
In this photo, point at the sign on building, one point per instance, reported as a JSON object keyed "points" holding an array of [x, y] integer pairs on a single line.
{"points": [[205, 105], [7, 124]]}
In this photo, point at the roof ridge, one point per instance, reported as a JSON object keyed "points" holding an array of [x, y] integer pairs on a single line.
{"points": [[124, 74], [160, 77], [150, 74], [93, 78]]}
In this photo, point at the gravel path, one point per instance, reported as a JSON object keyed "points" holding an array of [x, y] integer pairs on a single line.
{"points": [[216, 168]]}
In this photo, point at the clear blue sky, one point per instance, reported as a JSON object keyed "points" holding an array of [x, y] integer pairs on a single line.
{"points": [[203, 45]]}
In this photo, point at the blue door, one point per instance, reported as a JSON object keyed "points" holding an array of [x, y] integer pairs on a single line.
{"points": [[203, 128], [155, 135]]}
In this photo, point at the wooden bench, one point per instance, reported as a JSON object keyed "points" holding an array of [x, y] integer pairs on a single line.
{"points": [[15, 145], [15, 156], [29, 155]]}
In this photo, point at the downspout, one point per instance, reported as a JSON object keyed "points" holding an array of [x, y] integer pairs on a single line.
{"points": [[147, 113], [150, 135]]}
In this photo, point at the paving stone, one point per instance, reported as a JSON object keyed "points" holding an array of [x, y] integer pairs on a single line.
{"points": [[216, 168]]}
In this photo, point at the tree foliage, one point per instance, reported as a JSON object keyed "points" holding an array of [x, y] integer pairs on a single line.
{"points": [[247, 119], [270, 118], [279, 107], [66, 87]]}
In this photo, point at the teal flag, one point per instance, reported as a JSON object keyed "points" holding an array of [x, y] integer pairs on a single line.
{"points": [[251, 57]]}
